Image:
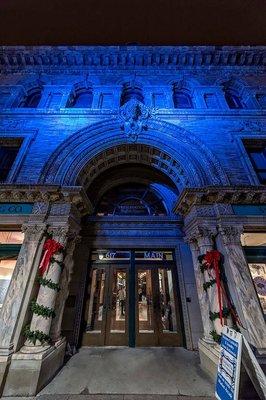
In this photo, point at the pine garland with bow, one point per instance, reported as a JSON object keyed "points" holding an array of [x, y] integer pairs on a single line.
{"points": [[211, 262]]}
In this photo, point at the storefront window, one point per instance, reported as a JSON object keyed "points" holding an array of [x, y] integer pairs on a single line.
{"points": [[10, 243], [254, 245]]}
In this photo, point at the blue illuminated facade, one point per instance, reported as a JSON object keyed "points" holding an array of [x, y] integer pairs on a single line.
{"points": [[133, 147]]}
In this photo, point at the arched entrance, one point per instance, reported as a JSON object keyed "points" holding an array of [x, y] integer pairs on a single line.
{"points": [[132, 295]]}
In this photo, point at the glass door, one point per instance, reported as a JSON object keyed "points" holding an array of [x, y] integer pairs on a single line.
{"points": [[107, 307], [157, 316]]}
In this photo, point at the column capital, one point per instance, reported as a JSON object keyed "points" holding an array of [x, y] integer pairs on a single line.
{"points": [[201, 235], [231, 234], [33, 232], [60, 233]]}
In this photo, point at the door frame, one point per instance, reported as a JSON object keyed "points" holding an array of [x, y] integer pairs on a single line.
{"points": [[132, 266]]}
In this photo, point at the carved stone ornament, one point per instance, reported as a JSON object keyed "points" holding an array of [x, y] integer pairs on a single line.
{"points": [[33, 232], [231, 234], [134, 116]]}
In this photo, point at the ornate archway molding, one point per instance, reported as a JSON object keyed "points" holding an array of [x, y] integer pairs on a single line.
{"points": [[171, 149]]}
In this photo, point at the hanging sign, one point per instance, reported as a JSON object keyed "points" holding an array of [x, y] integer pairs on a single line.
{"points": [[15, 208], [228, 376]]}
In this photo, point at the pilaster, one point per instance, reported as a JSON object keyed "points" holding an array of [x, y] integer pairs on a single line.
{"points": [[241, 286]]}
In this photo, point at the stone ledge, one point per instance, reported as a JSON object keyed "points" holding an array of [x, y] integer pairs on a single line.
{"points": [[219, 194]]}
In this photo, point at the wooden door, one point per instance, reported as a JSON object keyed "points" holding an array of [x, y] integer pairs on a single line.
{"points": [[157, 313], [106, 311]]}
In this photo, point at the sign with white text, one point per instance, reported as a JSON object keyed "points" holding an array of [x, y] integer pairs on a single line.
{"points": [[15, 208], [228, 376]]}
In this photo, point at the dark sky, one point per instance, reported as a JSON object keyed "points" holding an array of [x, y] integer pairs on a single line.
{"points": [[217, 22]]}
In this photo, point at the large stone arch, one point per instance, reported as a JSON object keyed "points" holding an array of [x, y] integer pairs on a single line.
{"points": [[171, 149]]}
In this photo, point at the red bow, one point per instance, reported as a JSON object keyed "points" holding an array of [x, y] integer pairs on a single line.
{"points": [[50, 247], [212, 259]]}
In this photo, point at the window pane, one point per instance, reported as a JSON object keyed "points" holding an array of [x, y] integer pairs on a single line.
{"points": [[6, 270], [8, 155], [11, 237], [96, 304], [145, 302], [253, 239], [258, 273], [118, 301], [167, 301], [10, 243]]}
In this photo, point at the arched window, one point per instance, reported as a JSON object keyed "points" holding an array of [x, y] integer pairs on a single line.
{"points": [[233, 100], [137, 199], [131, 90], [181, 99], [81, 98], [32, 99]]}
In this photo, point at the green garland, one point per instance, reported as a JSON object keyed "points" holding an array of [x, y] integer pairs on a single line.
{"points": [[225, 313], [60, 263], [49, 283], [39, 309], [33, 336], [216, 337], [206, 285]]}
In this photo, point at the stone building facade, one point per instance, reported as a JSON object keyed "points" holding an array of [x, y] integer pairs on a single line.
{"points": [[134, 161]]}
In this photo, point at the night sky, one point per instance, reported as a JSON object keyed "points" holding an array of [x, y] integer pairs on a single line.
{"points": [[180, 22]]}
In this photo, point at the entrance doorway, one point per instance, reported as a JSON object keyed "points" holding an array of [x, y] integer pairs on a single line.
{"points": [[132, 299]]}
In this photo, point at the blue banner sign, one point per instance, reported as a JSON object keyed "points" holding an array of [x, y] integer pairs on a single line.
{"points": [[227, 383], [15, 208]]}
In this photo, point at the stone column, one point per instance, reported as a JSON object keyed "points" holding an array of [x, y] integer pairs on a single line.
{"points": [[47, 296], [64, 287], [201, 241], [202, 295], [241, 287], [16, 302]]}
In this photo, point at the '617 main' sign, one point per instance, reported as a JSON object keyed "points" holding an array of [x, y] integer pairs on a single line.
{"points": [[15, 208]]}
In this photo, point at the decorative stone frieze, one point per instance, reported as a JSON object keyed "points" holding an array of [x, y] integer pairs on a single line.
{"points": [[41, 195], [13, 59], [219, 194]]}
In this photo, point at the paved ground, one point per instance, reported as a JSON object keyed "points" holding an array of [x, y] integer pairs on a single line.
{"points": [[111, 373]]}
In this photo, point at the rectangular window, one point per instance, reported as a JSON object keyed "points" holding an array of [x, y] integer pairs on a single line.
{"points": [[256, 150], [10, 243], [254, 245], [9, 149]]}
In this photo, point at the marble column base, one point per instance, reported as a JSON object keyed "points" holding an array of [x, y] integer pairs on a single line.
{"points": [[5, 360], [209, 357], [29, 371]]}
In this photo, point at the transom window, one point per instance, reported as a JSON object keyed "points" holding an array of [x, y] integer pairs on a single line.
{"points": [[127, 200]]}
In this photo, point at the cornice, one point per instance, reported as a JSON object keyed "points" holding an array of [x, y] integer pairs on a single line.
{"points": [[19, 57], [46, 193], [219, 194]]}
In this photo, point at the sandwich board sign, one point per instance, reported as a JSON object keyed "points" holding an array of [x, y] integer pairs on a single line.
{"points": [[228, 375]]}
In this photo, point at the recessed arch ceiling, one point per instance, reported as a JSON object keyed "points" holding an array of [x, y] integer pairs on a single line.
{"points": [[133, 154]]}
